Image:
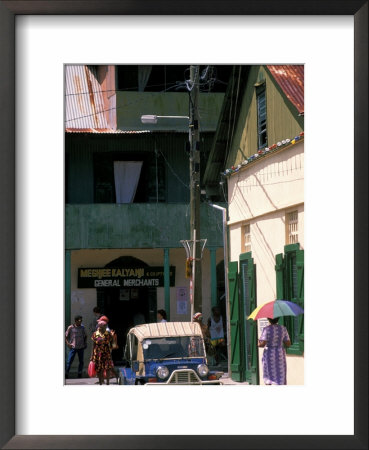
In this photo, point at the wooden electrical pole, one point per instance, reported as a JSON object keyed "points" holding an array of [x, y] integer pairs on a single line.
{"points": [[194, 138]]}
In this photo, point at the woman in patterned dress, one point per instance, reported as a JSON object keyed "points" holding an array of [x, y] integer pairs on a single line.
{"points": [[101, 352], [274, 338]]}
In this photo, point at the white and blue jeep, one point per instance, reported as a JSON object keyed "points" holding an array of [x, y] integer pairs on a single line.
{"points": [[171, 353]]}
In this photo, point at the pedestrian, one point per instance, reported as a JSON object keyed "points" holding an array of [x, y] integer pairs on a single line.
{"points": [[216, 329], [76, 340], [99, 316], [205, 332], [101, 352], [104, 319], [274, 338], [162, 315]]}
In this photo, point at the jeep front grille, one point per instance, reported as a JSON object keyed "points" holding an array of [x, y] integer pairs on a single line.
{"points": [[184, 377]]}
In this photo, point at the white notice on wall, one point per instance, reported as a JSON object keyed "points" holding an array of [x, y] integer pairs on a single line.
{"points": [[262, 324], [182, 300]]}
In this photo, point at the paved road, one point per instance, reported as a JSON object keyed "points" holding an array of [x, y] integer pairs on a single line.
{"points": [[73, 380]]}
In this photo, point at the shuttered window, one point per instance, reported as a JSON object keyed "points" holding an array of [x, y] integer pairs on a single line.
{"points": [[290, 286], [246, 238], [246, 305], [262, 116], [248, 301], [237, 353], [292, 229]]}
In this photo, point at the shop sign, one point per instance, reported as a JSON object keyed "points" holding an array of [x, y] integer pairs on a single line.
{"points": [[123, 277]]}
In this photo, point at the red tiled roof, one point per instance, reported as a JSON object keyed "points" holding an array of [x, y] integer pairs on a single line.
{"points": [[291, 80]]}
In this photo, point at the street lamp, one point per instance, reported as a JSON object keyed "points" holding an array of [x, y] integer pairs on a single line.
{"points": [[194, 144]]}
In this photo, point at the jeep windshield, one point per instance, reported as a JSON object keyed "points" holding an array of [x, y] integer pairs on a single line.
{"points": [[173, 347]]}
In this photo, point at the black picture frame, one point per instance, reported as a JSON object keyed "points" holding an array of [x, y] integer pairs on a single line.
{"points": [[8, 10]]}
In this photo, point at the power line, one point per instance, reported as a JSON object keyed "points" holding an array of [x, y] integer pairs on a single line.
{"points": [[117, 107], [173, 172], [139, 100]]}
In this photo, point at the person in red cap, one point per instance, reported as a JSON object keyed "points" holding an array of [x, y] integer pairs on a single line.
{"points": [[101, 352], [99, 316]]}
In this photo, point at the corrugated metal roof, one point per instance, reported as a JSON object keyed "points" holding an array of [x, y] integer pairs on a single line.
{"points": [[84, 103], [163, 329], [291, 80], [105, 131]]}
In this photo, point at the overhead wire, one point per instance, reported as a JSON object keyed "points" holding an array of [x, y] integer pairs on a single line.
{"points": [[173, 171], [139, 100], [174, 86]]}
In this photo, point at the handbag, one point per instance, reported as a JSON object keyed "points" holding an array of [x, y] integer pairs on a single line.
{"points": [[91, 369], [114, 344]]}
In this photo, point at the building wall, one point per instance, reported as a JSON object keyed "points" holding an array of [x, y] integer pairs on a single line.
{"points": [[272, 183], [132, 105], [81, 149], [283, 121], [261, 195], [137, 225], [84, 300]]}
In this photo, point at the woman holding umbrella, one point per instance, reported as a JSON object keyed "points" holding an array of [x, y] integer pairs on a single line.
{"points": [[274, 338]]}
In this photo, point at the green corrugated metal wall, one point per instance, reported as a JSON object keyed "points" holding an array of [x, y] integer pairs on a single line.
{"points": [[137, 225], [134, 104], [80, 149]]}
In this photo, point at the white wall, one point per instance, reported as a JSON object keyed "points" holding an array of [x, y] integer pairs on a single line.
{"points": [[267, 185], [260, 195]]}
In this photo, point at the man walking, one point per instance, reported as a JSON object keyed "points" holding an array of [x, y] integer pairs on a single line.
{"points": [[76, 340]]}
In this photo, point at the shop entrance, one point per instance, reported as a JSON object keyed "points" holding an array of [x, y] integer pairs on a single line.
{"points": [[126, 307]]}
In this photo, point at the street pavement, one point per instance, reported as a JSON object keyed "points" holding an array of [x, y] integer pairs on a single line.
{"points": [[73, 380]]}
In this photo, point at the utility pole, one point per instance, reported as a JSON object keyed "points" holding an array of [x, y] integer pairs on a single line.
{"points": [[194, 139]]}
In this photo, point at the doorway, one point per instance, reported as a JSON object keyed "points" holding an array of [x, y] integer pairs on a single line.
{"points": [[126, 307]]}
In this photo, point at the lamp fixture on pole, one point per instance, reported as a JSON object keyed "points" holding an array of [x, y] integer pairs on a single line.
{"points": [[151, 118]]}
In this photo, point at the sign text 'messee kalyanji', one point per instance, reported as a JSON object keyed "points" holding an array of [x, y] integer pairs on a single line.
{"points": [[123, 277]]}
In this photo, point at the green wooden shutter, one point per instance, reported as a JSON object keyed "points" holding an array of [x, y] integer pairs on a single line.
{"points": [[294, 277], [248, 303], [237, 360], [280, 281], [290, 286], [279, 268], [254, 327], [300, 296]]}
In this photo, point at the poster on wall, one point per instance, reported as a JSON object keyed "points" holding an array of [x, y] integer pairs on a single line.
{"points": [[262, 324], [182, 300]]}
